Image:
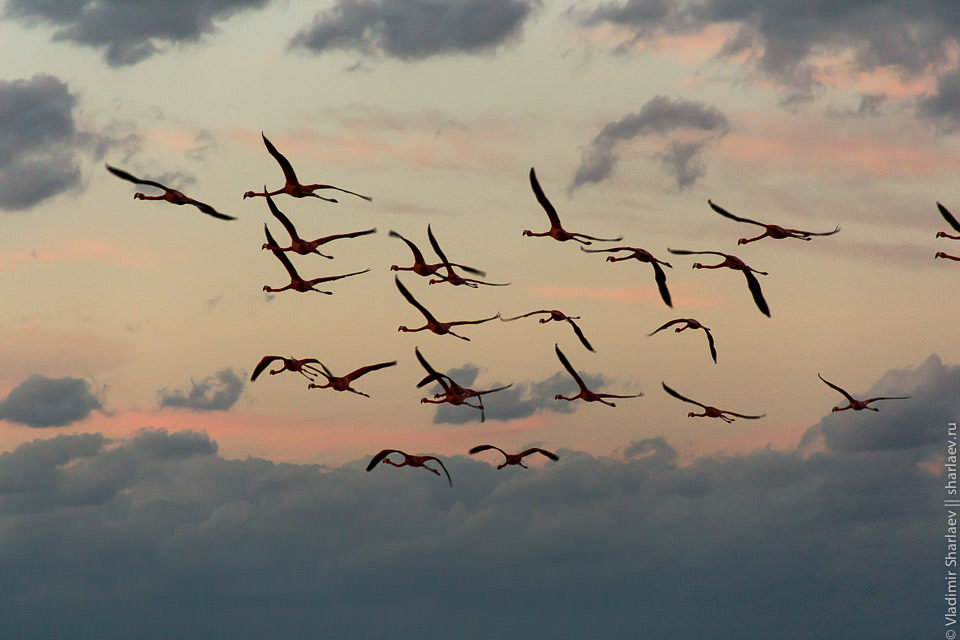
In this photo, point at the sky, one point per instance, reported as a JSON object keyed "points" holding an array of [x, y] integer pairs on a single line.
{"points": [[142, 468]]}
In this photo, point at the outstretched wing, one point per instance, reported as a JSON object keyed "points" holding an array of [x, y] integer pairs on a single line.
{"points": [[480, 393], [380, 456], [713, 348], [869, 400], [680, 397], [263, 364], [417, 256], [661, 279], [486, 447], [684, 252], [406, 294], [825, 233], [740, 415], [583, 339], [459, 322], [754, 286], [353, 375], [210, 211], [285, 165], [443, 258], [584, 249], [120, 173], [566, 365], [542, 199], [525, 315], [432, 374], [342, 275], [668, 324], [549, 454], [440, 462], [727, 214], [943, 211], [284, 220], [281, 256], [836, 388]]}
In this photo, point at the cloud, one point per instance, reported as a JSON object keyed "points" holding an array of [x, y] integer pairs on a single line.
{"points": [[415, 29], [943, 107], [215, 393], [128, 32], [788, 47], [39, 401], [521, 400], [660, 115], [123, 539]]}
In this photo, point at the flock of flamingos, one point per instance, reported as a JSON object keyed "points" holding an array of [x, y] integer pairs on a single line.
{"points": [[445, 271]]}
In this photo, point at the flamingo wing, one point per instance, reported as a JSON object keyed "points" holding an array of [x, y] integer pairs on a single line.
{"points": [[824, 233], [944, 212], [754, 286], [457, 322], [338, 277], [443, 258], [740, 415], [566, 365], [353, 375], [210, 211], [680, 397], [583, 235], [713, 348], [614, 249], [548, 454], [486, 447], [542, 199], [661, 279], [120, 173], [380, 456], [284, 220], [668, 324], [263, 364], [583, 338], [727, 214], [868, 401], [525, 315], [836, 388], [480, 393], [417, 256], [684, 252], [440, 462], [285, 166], [409, 297], [281, 256], [352, 234]]}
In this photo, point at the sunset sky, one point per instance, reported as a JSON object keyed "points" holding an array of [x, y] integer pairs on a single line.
{"points": [[143, 466]]}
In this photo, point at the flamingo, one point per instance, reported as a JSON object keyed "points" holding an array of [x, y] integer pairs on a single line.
{"points": [[299, 245], [170, 195], [558, 316], [557, 232], [292, 186], [857, 405], [304, 367], [770, 230], [585, 394], [708, 411], [342, 383], [453, 393], [643, 256], [941, 254], [296, 282], [951, 221], [439, 328], [514, 458], [420, 266], [452, 276], [691, 323], [408, 461], [733, 262]]}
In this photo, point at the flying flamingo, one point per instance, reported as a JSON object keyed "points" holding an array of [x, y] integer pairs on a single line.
{"points": [[771, 230], [514, 458], [452, 276], [303, 367], [708, 411], [643, 256], [558, 316], [299, 245], [951, 221], [170, 195], [292, 186], [420, 266], [941, 254], [342, 383], [453, 393], [408, 461], [585, 394], [691, 323], [733, 262], [439, 328], [296, 282], [557, 232], [855, 404]]}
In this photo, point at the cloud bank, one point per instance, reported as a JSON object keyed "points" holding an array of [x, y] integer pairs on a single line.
{"points": [[40, 402], [214, 393]]}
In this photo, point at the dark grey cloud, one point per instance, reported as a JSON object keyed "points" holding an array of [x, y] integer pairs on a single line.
{"points": [[943, 106], [415, 29], [661, 115], [39, 401], [783, 41], [128, 32], [159, 537], [521, 400], [214, 393]]}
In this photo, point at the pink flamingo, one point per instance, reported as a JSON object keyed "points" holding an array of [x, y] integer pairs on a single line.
{"points": [[420, 266], [292, 186], [304, 367], [408, 461], [434, 325], [299, 245], [514, 458], [733, 262], [771, 230], [557, 232], [557, 316], [951, 221], [342, 383], [708, 411], [691, 323], [941, 254], [585, 394], [857, 405], [452, 276], [296, 282], [170, 195], [453, 393], [643, 256]]}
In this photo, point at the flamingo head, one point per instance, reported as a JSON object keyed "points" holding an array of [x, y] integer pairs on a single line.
{"points": [[139, 196], [527, 232], [402, 328], [501, 466], [837, 409], [697, 265], [394, 267], [742, 241], [609, 258], [941, 234], [266, 288], [939, 254], [249, 194], [691, 415]]}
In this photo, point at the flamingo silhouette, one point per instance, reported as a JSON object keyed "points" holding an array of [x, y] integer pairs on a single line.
{"points": [[557, 232], [452, 276], [691, 323], [304, 367], [434, 325], [857, 405], [342, 383], [452, 393], [170, 195], [708, 411], [770, 230], [299, 245], [420, 266], [408, 461], [514, 458], [733, 262], [296, 282], [643, 256], [557, 316], [951, 221], [585, 393]]}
